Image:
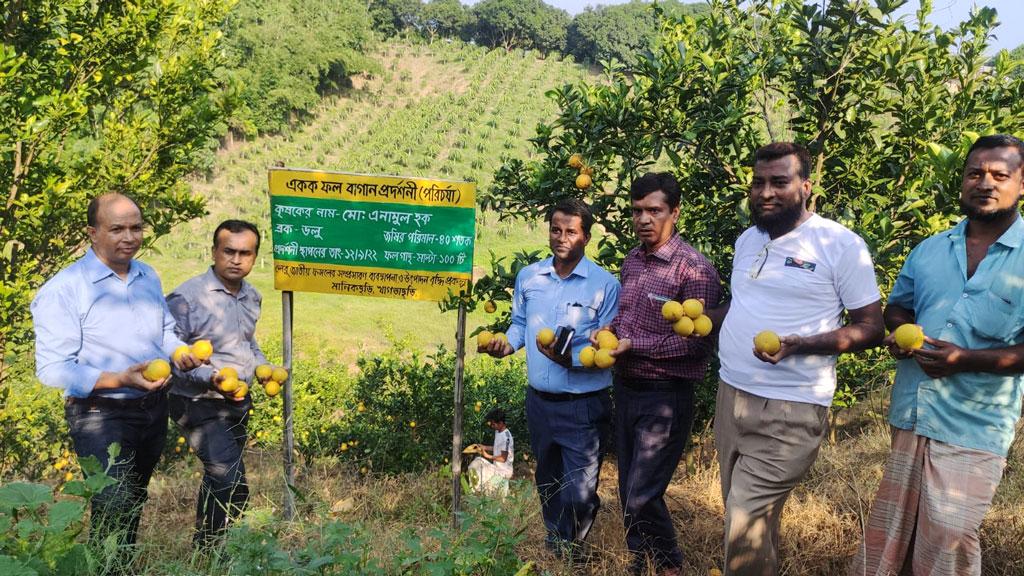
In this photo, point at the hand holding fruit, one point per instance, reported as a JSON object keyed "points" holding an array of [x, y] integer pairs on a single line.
{"points": [[227, 383], [687, 318], [772, 348], [185, 357], [494, 344], [606, 347], [148, 376], [904, 340]]}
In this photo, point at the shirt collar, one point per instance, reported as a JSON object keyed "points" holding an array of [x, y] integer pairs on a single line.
{"points": [[97, 270], [214, 284], [667, 250], [582, 268], [1012, 238]]}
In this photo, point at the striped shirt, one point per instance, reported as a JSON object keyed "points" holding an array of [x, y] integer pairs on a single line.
{"points": [[675, 271]]}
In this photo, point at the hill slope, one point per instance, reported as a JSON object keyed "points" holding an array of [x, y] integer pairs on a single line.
{"points": [[446, 110]]}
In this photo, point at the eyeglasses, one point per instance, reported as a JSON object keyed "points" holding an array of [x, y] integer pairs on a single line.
{"points": [[762, 257]]}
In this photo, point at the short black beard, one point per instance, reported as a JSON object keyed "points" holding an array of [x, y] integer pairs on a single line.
{"points": [[779, 223], [973, 213]]}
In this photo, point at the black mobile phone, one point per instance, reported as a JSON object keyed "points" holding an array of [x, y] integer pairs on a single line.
{"points": [[563, 340]]}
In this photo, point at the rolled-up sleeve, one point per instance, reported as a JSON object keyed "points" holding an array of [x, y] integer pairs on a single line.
{"points": [[59, 342], [517, 331]]}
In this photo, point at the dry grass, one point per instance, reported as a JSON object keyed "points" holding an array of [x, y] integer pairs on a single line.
{"points": [[820, 529]]}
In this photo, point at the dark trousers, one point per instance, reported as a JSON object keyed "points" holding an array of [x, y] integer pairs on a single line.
{"points": [[568, 437], [140, 430], [652, 424], [215, 429]]}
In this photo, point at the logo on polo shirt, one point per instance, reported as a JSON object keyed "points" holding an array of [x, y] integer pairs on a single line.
{"points": [[802, 264]]}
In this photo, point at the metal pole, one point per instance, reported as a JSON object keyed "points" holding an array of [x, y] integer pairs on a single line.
{"points": [[460, 362], [287, 310]]}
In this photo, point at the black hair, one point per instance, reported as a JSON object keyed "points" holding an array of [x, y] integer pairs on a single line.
{"points": [[573, 207], [495, 415], [998, 141], [777, 150], [653, 182], [236, 226]]}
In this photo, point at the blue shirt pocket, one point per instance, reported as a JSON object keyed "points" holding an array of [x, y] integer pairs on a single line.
{"points": [[995, 315]]}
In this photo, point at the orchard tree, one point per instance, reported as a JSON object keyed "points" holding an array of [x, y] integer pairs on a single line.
{"points": [[886, 107], [97, 97], [527, 24], [621, 31], [391, 17], [446, 19]]}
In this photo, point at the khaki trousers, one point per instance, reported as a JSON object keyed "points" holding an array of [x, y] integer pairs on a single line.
{"points": [[765, 447]]}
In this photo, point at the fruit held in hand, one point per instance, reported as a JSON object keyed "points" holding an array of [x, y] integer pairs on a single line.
{"points": [[546, 336], [683, 326], [157, 370], [909, 337], [693, 308], [767, 342], [671, 310], [228, 372], [702, 326], [202, 349], [272, 388], [279, 374], [483, 339], [603, 358], [607, 340], [179, 352], [587, 356], [242, 390], [229, 385], [500, 336], [264, 371]]}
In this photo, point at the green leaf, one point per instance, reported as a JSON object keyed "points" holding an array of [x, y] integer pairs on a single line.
{"points": [[11, 567], [24, 495]]}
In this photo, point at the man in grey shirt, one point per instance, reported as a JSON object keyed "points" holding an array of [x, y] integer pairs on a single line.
{"points": [[219, 306]]}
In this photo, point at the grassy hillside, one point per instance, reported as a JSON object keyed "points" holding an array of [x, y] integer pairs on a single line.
{"points": [[447, 110]]}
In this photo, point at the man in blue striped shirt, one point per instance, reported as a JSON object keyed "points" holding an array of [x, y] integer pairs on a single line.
{"points": [[568, 407], [98, 323]]}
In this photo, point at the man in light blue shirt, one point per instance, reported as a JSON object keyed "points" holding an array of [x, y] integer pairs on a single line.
{"points": [[98, 323], [568, 407], [955, 402]]}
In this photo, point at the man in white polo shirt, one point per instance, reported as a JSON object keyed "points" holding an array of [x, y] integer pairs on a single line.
{"points": [[794, 273]]}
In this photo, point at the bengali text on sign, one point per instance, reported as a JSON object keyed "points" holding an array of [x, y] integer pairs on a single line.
{"points": [[388, 236]]}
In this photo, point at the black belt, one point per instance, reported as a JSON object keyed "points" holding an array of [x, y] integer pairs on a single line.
{"points": [[565, 396], [655, 385], [142, 402]]}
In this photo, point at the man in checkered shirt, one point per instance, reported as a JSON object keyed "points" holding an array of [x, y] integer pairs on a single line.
{"points": [[656, 370]]}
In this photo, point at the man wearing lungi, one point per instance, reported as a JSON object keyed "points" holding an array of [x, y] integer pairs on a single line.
{"points": [[955, 400]]}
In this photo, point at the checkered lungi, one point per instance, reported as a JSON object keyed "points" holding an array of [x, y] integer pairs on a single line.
{"points": [[928, 509]]}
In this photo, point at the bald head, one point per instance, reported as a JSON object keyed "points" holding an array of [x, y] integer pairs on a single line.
{"points": [[115, 229]]}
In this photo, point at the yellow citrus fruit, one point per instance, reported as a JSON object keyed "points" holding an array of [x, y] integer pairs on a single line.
{"points": [[264, 371], [587, 356], [576, 161], [483, 339], [607, 340], [478, 406], [671, 310], [909, 336], [583, 181], [229, 384], [228, 372], [767, 342], [546, 336], [272, 388], [202, 349], [363, 470], [242, 390], [702, 325], [181, 439], [412, 424], [603, 358], [68, 476], [361, 408], [344, 447], [490, 306], [693, 308], [157, 370], [177, 449], [500, 336], [60, 464], [683, 326], [179, 352], [279, 374], [588, 170]]}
